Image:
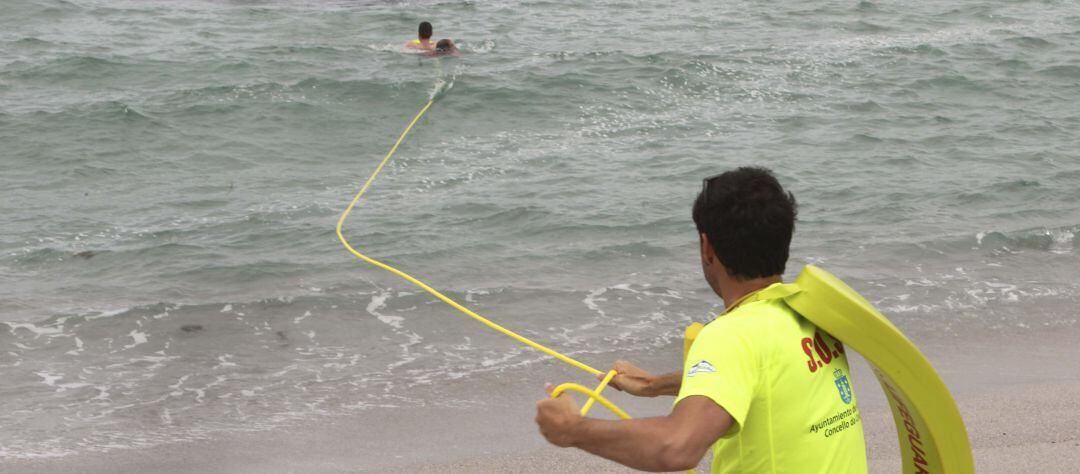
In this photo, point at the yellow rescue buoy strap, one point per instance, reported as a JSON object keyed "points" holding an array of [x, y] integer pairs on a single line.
{"points": [[593, 394]]}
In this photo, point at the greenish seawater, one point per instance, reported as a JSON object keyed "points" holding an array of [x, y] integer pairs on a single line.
{"points": [[172, 172]]}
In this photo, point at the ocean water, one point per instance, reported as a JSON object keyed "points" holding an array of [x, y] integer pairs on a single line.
{"points": [[172, 172]]}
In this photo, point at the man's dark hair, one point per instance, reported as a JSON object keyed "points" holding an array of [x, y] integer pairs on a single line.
{"points": [[749, 219], [425, 30]]}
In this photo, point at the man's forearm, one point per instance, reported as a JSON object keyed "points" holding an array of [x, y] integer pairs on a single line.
{"points": [[666, 384], [645, 444]]}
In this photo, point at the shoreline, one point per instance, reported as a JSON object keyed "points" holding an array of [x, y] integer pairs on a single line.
{"points": [[1018, 391]]}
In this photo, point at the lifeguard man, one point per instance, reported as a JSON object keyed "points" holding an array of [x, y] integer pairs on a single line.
{"points": [[751, 387], [423, 38]]}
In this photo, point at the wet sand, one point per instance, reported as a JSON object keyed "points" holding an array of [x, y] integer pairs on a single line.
{"points": [[1018, 390]]}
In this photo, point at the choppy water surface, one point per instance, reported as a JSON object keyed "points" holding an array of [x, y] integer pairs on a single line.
{"points": [[172, 172]]}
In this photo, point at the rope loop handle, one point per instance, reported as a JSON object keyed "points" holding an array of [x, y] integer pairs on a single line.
{"points": [[593, 395]]}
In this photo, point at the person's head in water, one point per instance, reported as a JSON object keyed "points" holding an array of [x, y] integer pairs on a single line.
{"points": [[423, 38], [445, 46], [747, 219]]}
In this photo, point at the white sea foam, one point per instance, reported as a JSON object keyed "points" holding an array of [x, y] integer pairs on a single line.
{"points": [[71, 385], [106, 314], [35, 329], [378, 301], [49, 379], [223, 361], [78, 347], [138, 337], [1061, 241], [593, 300]]}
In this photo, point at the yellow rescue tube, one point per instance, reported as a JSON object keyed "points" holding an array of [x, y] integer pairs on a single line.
{"points": [[688, 340], [931, 432], [928, 424]]}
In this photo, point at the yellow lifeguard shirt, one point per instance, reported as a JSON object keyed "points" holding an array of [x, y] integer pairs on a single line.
{"points": [[787, 386]]}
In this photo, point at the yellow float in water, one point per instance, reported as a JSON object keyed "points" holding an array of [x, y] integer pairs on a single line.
{"points": [[928, 424]]}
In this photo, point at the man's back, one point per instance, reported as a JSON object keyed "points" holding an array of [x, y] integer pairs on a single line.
{"points": [[785, 383]]}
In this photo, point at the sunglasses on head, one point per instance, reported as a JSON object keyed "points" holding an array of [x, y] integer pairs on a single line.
{"points": [[705, 186]]}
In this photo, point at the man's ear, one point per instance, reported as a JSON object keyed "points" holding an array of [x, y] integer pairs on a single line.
{"points": [[708, 255]]}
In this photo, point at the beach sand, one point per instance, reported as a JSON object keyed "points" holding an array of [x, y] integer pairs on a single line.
{"points": [[1018, 390]]}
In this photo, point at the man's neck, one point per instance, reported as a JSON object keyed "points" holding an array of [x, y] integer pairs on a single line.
{"points": [[736, 290]]}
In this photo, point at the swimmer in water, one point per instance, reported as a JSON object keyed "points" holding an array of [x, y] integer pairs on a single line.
{"points": [[445, 47], [423, 40]]}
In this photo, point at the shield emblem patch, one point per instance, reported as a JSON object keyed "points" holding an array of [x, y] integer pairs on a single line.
{"points": [[843, 386]]}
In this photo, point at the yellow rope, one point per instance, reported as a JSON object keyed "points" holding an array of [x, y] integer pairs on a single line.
{"points": [[593, 395], [436, 293], [599, 388]]}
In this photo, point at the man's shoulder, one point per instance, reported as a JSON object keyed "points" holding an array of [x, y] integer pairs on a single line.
{"points": [[758, 315], [761, 324]]}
